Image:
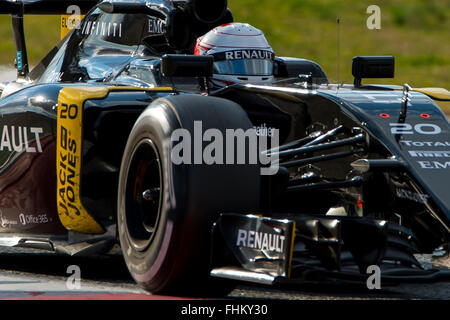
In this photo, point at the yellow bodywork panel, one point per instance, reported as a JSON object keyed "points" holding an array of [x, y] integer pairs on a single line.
{"points": [[68, 158], [291, 253], [435, 93], [71, 211]]}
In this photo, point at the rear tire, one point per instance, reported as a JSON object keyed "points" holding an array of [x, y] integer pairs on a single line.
{"points": [[165, 235]]}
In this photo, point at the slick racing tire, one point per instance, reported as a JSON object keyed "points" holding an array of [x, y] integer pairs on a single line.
{"points": [[166, 210]]}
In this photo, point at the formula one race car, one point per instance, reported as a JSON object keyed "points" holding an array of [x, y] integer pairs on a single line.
{"points": [[89, 157]]}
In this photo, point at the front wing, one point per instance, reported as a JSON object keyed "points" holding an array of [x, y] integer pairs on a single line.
{"points": [[288, 249]]}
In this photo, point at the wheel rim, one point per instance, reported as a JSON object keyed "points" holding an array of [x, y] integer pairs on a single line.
{"points": [[143, 195]]}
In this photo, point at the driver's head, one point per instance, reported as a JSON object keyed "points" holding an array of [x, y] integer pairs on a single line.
{"points": [[241, 54]]}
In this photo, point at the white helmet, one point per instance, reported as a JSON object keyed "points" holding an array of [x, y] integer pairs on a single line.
{"points": [[241, 54]]}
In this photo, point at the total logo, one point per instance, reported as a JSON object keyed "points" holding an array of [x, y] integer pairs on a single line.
{"points": [[410, 143]]}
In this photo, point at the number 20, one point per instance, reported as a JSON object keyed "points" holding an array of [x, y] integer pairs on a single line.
{"points": [[421, 128]]}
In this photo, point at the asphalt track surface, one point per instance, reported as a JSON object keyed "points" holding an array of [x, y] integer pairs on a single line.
{"points": [[44, 276]]}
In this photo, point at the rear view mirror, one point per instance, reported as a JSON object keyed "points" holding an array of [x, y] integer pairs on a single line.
{"points": [[178, 65], [372, 67]]}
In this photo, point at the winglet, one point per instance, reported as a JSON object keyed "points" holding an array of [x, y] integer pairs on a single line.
{"points": [[439, 94]]}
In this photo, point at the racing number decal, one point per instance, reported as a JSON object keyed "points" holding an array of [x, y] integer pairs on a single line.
{"points": [[69, 136], [421, 128]]}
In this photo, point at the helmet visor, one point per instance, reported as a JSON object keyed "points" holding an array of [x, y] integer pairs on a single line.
{"points": [[244, 67]]}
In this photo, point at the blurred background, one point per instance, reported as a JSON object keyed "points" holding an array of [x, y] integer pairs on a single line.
{"points": [[416, 32]]}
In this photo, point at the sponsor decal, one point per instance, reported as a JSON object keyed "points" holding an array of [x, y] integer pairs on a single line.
{"points": [[434, 164], [5, 222], [68, 161], [156, 26], [27, 219], [260, 240], [71, 211], [378, 98], [102, 28], [17, 139], [410, 143], [429, 154], [420, 128], [263, 244], [71, 20], [19, 61], [244, 54], [409, 195]]}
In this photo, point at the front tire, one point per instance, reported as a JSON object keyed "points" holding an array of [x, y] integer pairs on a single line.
{"points": [[166, 211]]}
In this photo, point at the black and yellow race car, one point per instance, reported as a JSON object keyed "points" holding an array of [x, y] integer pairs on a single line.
{"points": [[359, 177]]}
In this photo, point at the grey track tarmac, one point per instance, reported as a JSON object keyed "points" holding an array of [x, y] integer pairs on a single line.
{"points": [[44, 275]]}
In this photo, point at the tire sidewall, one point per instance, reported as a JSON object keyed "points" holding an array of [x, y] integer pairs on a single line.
{"points": [[152, 264], [193, 196]]}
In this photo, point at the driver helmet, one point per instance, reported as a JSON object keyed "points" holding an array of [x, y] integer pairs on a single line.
{"points": [[241, 54]]}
